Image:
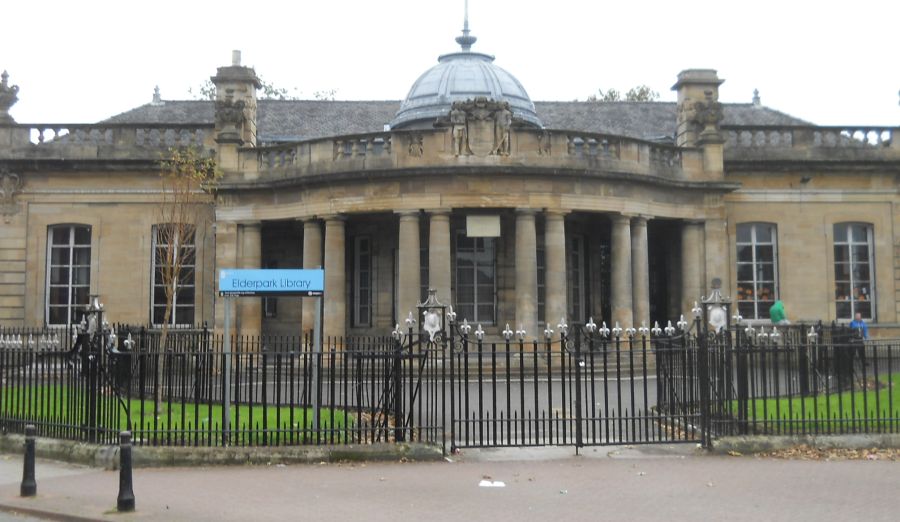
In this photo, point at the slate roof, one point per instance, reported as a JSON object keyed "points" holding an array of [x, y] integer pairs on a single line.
{"points": [[281, 120]]}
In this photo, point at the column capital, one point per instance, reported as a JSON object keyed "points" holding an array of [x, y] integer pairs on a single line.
{"points": [[334, 217], [433, 212], [307, 219], [694, 221], [523, 211], [556, 213], [407, 214], [249, 223], [640, 220], [620, 219]]}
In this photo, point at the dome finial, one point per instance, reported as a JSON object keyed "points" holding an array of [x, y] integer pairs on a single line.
{"points": [[465, 41]]}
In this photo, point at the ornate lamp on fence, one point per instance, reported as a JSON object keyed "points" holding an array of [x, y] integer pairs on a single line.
{"points": [[715, 307], [434, 314]]}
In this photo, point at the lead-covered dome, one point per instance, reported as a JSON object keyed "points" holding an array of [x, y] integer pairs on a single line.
{"points": [[458, 77]]}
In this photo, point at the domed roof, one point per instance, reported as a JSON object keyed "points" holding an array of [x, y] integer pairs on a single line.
{"points": [[458, 77]]}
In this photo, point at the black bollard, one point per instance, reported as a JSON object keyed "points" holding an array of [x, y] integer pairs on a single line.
{"points": [[125, 501], [29, 486]]}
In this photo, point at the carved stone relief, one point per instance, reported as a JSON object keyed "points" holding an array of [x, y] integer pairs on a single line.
{"points": [[230, 118], [706, 115], [479, 127], [10, 187], [416, 147]]}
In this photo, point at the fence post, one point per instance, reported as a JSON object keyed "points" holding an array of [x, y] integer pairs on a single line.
{"points": [[703, 375], [579, 362], [29, 486]]}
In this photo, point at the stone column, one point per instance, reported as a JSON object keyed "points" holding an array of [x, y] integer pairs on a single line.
{"points": [[526, 272], [555, 269], [621, 271], [408, 269], [439, 255], [640, 272], [335, 319], [227, 247], [692, 265], [312, 258], [250, 308]]}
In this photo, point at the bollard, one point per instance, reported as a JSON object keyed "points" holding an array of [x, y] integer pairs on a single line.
{"points": [[125, 501], [29, 486]]}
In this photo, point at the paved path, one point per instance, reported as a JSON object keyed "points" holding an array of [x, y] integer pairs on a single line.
{"points": [[650, 483]]}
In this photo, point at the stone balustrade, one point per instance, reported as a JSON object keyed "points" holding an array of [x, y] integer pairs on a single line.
{"points": [[434, 148], [806, 137], [52, 140]]}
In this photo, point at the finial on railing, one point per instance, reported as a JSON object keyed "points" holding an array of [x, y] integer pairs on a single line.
{"points": [[604, 331], [479, 333], [451, 315], [737, 318], [630, 331], [617, 331], [643, 330], [563, 327], [775, 335], [681, 324], [521, 332], [812, 333], [410, 320], [696, 310], [548, 332], [670, 330], [656, 330], [750, 331], [591, 326], [465, 327], [128, 343], [507, 333], [763, 334]]}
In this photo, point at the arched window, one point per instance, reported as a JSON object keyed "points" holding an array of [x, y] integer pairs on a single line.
{"points": [[757, 269], [68, 272], [854, 270], [174, 260]]}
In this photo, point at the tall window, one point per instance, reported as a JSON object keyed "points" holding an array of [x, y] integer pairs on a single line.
{"points": [[362, 281], [575, 264], [475, 279], [174, 260], [757, 269], [68, 272], [854, 279]]}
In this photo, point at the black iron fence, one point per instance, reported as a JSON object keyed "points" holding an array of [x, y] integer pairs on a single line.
{"points": [[267, 391], [582, 385]]}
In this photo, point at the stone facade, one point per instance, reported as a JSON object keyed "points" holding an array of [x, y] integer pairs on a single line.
{"points": [[512, 222]]}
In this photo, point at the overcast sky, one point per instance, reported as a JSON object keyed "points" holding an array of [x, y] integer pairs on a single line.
{"points": [[829, 62]]}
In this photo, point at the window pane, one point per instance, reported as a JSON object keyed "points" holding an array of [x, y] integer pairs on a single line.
{"points": [[842, 271], [842, 291], [59, 256], [80, 296], [59, 276], [746, 309], [158, 314], [766, 292], [82, 256], [843, 310], [745, 293], [184, 315], [745, 253], [745, 272], [860, 253], [81, 275], [859, 233], [862, 292], [765, 272], [486, 313], [57, 315], [60, 235], [861, 272], [763, 307], [185, 296], [840, 233], [59, 295], [764, 253], [865, 309], [841, 253], [83, 236], [465, 294], [743, 233], [763, 234], [485, 275]]}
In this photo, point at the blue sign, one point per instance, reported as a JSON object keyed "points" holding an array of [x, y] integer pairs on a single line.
{"points": [[271, 282]]}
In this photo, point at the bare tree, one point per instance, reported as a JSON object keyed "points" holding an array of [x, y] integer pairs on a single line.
{"points": [[188, 184], [638, 93]]}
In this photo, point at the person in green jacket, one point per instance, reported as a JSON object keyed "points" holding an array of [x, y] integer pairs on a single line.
{"points": [[777, 314]]}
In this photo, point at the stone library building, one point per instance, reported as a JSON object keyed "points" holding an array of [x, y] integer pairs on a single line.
{"points": [[515, 211]]}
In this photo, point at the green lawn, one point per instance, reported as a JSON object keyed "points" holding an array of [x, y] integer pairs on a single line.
{"points": [[62, 405], [870, 410]]}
